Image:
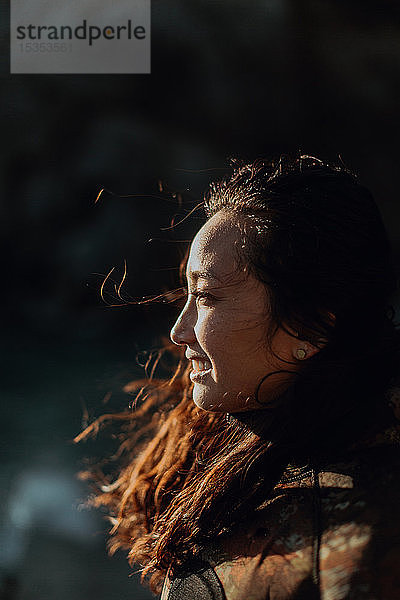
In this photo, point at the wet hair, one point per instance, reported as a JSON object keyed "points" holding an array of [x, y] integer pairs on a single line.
{"points": [[314, 236]]}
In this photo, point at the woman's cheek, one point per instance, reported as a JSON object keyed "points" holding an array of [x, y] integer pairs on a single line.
{"points": [[207, 326]]}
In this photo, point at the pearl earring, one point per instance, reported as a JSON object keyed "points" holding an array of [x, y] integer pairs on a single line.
{"points": [[301, 353]]}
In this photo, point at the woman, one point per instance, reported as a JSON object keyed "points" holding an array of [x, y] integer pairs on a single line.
{"points": [[267, 466]]}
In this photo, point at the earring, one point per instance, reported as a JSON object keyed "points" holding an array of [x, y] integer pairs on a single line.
{"points": [[301, 353]]}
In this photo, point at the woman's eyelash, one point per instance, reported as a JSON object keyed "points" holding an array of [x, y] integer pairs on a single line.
{"points": [[205, 295]]}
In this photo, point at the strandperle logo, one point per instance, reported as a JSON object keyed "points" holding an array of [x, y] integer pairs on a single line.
{"points": [[80, 36], [87, 32]]}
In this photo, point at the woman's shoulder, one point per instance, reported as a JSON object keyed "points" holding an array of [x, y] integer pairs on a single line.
{"points": [[359, 549], [322, 532]]}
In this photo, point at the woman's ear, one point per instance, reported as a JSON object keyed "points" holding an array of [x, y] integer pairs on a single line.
{"points": [[304, 349]]}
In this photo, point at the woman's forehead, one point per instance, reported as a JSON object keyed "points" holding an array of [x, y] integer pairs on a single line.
{"points": [[214, 249], [219, 235]]}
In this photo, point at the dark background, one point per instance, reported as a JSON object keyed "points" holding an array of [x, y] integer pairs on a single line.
{"points": [[251, 78]]}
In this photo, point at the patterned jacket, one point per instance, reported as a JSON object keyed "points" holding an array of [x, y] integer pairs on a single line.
{"points": [[332, 534]]}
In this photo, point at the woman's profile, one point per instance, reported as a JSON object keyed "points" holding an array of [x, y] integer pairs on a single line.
{"points": [[267, 466]]}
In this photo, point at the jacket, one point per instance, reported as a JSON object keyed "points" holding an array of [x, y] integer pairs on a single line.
{"points": [[331, 533]]}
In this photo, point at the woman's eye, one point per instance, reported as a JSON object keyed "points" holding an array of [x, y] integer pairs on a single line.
{"points": [[204, 297]]}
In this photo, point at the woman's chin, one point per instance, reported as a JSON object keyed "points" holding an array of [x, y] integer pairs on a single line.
{"points": [[223, 404], [208, 405], [206, 401]]}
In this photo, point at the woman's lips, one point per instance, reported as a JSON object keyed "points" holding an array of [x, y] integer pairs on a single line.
{"points": [[201, 369], [199, 376], [200, 365]]}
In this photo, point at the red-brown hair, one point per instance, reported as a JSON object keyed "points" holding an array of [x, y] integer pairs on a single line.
{"points": [[185, 476]]}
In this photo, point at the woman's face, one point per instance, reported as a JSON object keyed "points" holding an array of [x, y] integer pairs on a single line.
{"points": [[223, 325]]}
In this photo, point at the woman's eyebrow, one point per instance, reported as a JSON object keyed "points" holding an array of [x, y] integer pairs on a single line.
{"points": [[196, 275], [226, 281]]}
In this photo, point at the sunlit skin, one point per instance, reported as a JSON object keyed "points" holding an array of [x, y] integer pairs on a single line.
{"points": [[224, 321]]}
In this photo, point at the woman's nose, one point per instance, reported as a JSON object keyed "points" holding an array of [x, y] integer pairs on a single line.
{"points": [[183, 330]]}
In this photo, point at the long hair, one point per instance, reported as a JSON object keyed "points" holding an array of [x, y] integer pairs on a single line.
{"points": [[315, 238]]}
